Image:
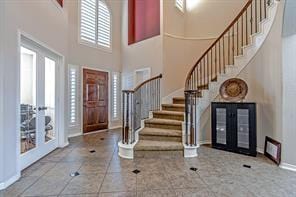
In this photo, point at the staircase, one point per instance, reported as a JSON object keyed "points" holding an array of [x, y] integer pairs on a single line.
{"points": [[163, 132], [149, 125]]}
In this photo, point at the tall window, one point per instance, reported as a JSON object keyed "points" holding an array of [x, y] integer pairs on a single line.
{"points": [[73, 95], [180, 4], [95, 23], [115, 95]]}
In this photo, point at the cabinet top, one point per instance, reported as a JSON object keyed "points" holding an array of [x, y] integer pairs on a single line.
{"points": [[231, 103]]}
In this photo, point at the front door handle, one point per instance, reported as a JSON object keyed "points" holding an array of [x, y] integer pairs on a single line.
{"points": [[42, 108]]}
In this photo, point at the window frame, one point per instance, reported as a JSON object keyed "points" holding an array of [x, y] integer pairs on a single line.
{"points": [[96, 45], [118, 96], [77, 96], [183, 7]]}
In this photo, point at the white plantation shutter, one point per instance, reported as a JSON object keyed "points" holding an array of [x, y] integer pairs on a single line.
{"points": [[104, 25], [88, 21], [95, 23], [180, 4], [115, 95], [73, 95]]}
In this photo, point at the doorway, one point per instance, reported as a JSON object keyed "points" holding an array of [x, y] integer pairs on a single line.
{"points": [[38, 100], [142, 75], [95, 100]]}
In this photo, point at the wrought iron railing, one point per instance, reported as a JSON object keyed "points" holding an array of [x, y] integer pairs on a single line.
{"points": [[137, 104], [219, 56]]}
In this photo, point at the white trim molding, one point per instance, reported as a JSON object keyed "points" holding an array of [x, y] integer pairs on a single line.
{"points": [[190, 38], [126, 151], [287, 166], [190, 151], [10, 181]]}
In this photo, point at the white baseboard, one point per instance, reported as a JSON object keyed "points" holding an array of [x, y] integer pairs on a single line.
{"points": [[65, 144], [10, 181], [205, 142], [287, 166], [115, 127], [75, 135], [260, 150]]}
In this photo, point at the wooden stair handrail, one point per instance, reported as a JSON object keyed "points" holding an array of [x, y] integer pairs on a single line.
{"points": [[143, 83], [217, 40]]}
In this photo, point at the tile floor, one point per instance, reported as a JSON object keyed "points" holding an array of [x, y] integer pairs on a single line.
{"points": [[103, 173]]}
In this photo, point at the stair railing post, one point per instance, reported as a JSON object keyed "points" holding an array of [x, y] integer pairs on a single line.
{"points": [[186, 116], [127, 119], [123, 117]]}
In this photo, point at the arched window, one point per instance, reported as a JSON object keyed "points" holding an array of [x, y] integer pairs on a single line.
{"points": [[180, 4], [95, 23]]}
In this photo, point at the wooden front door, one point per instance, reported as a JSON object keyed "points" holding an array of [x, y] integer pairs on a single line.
{"points": [[95, 100]]}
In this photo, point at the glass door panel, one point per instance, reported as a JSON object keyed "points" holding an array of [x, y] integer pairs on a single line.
{"points": [[221, 126], [38, 99], [49, 95], [243, 128], [27, 100]]}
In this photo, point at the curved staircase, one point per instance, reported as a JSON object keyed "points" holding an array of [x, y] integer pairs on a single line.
{"points": [[176, 126]]}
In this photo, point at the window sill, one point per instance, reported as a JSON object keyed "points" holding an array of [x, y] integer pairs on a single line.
{"points": [[95, 46]]}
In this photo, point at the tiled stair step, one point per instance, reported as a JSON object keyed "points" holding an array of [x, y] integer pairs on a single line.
{"points": [[171, 115], [157, 134], [163, 124], [173, 107], [179, 100], [151, 145]]}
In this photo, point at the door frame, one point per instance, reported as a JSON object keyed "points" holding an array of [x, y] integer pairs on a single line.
{"points": [[81, 98], [62, 141], [148, 69]]}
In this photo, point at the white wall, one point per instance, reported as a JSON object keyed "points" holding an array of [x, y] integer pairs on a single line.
{"points": [[92, 57], [207, 18], [45, 22], [289, 97], [173, 19], [1, 91], [289, 85], [144, 54], [187, 35]]}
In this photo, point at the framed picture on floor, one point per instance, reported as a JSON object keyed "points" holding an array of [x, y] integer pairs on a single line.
{"points": [[272, 150]]}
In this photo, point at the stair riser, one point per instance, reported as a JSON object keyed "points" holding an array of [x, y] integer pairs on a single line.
{"points": [[169, 117], [160, 138], [179, 109], [164, 126], [156, 154], [178, 101]]}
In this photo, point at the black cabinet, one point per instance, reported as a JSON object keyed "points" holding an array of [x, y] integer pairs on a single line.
{"points": [[234, 127]]}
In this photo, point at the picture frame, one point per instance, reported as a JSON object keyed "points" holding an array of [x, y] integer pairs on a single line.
{"points": [[272, 150]]}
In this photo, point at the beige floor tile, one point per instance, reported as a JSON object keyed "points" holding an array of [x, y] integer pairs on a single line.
{"points": [[118, 194], [45, 186], [20, 186], [119, 182], [156, 193], [84, 184], [152, 181]]}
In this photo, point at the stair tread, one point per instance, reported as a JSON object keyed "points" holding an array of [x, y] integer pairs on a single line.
{"points": [[163, 121], [179, 98], [165, 112], [160, 132], [173, 105], [158, 145]]}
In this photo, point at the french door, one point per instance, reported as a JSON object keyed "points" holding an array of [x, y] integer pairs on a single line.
{"points": [[38, 99]]}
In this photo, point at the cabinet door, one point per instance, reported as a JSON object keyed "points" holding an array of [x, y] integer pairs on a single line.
{"points": [[245, 125], [220, 126]]}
